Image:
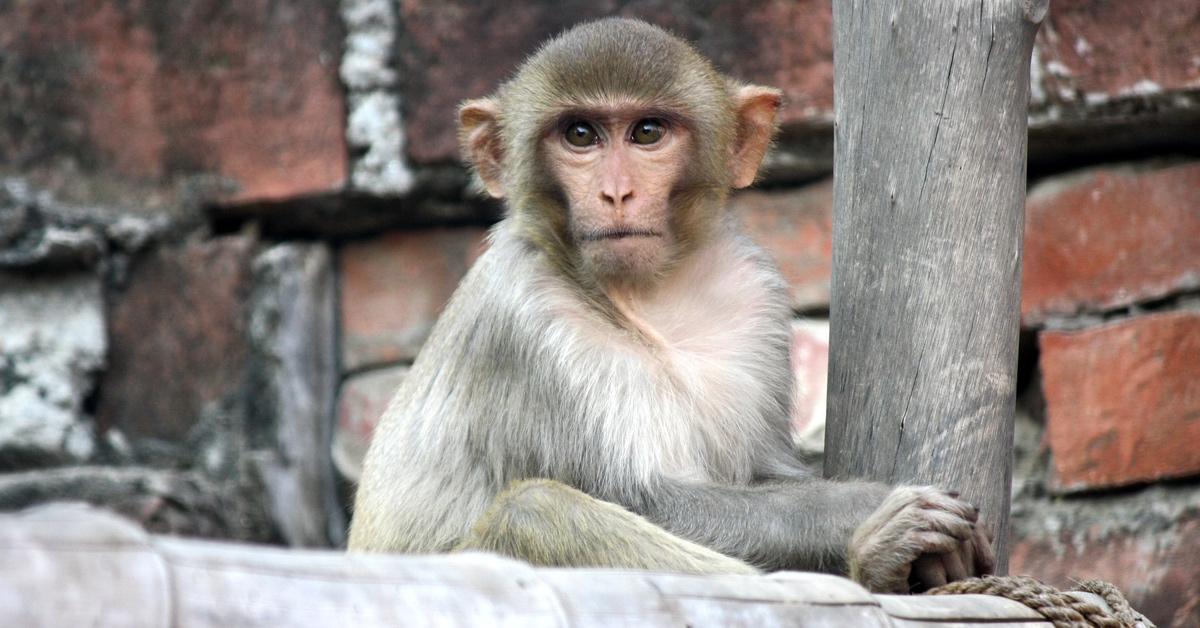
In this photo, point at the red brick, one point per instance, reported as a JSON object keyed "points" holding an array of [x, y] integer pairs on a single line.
{"points": [[1109, 238], [177, 338], [394, 287], [797, 228], [1157, 575], [361, 403], [145, 93], [1123, 400], [457, 49], [788, 45], [1108, 47]]}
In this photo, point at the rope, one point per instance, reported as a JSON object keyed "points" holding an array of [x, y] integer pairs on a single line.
{"points": [[1064, 611]]}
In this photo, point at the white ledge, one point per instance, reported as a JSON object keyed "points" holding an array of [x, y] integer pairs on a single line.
{"points": [[72, 565]]}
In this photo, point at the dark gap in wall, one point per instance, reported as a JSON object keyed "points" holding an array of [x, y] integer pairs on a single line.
{"points": [[348, 216], [1184, 147], [1179, 299], [815, 311], [1027, 361], [91, 398], [1091, 493]]}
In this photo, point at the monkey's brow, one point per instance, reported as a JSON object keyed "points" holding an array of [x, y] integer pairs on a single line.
{"points": [[610, 113]]}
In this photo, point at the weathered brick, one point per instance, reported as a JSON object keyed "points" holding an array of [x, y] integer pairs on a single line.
{"points": [[1123, 400], [144, 95], [178, 503], [454, 50], [177, 338], [1098, 49], [361, 403], [293, 335], [797, 228], [1155, 566], [1110, 237], [394, 287], [51, 346]]}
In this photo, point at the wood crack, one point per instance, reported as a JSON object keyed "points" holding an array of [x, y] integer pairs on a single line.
{"points": [[988, 60], [941, 113], [912, 388]]}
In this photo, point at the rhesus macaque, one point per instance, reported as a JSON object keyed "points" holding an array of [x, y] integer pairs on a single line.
{"points": [[610, 385]]}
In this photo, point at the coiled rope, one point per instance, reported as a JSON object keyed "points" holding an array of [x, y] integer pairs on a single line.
{"points": [[1061, 609]]}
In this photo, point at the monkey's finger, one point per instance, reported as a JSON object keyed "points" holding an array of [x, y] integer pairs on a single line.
{"points": [[952, 504], [930, 542], [964, 508], [930, 571], [946, 523], [985, 557], [953, 562]]}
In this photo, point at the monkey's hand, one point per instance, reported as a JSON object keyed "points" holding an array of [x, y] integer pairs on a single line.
{"points": [[920, 537]]}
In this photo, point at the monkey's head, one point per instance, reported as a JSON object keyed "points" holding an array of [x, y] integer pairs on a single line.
{"points": [[615, 146]]}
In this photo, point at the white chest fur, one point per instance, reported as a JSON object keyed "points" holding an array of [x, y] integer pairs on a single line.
{"points": [[712, 353]]}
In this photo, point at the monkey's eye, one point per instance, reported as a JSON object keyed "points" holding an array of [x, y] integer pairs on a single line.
{"points": [[580, 134], [648, 131]]}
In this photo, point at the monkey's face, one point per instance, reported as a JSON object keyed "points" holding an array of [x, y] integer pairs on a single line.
{"points": [[615, 146], [616, 167]]}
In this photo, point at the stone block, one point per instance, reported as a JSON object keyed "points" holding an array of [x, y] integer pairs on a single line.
{"points": [[161, 501], [52, 344], [293, 335], [177, 332]]}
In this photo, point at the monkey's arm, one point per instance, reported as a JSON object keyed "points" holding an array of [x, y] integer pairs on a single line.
{"points": [[802, 525], [878, 535]]}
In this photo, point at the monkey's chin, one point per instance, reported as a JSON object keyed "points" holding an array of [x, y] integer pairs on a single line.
{"points": [[635, 259]]}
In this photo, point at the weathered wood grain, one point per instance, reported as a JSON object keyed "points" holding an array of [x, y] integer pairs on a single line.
{"points": [[69, 565], [929, 190]]}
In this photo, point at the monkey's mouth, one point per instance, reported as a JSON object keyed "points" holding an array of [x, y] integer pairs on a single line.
{"points": [[619, 234]]}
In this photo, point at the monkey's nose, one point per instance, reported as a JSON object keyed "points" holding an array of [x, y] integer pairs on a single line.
{"points": [[616, 197]]}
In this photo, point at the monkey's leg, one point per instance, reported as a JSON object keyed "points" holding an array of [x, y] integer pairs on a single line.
{"points": [[551, 524]]}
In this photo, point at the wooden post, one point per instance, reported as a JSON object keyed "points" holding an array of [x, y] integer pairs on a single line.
{"points": [[929, 196]]}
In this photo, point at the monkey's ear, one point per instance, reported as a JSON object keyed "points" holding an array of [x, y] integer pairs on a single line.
{"points": [[479, 136], [756, 109]]}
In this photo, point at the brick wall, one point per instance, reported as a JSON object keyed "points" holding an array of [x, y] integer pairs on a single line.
{"points": [[226, 229]]}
